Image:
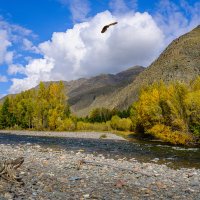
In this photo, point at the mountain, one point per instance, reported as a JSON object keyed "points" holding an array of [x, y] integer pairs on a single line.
{"points": [[86, 94], [179, 61]]}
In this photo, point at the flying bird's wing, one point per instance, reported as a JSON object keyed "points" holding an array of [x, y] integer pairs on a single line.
{"points": [[104, 29], [114, 23]]}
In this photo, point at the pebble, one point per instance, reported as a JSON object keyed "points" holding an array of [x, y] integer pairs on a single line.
{"points": [[51, 173], [86, 195]]}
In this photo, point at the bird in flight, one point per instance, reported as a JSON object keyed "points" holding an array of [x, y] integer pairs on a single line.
{"points": [[104, 29]]}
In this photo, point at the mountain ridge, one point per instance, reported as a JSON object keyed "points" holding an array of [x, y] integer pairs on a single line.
{"points": [[179, 61]]}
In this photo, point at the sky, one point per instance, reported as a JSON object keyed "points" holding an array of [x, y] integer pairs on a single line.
{"points": [[51, 40]]}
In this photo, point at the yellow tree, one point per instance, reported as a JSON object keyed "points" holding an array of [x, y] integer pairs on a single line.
{"points": [[57, 104]]}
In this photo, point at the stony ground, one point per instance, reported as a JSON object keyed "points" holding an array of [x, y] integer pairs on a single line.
{"points": [[86, 135], [53, 174]]}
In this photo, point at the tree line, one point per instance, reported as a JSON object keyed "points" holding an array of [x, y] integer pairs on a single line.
{"points": [[170, 112], [40, 109]]}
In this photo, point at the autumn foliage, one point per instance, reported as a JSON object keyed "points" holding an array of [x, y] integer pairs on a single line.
{"points": [[45, 108], [169, 112]]}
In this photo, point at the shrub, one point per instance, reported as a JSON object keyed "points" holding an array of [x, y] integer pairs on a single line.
{"points": [[165, 133], [66, 125], [124, 124], [179, 125], [83, 126], [195, 129], [100, 126], [114, 122], [93, 126]]}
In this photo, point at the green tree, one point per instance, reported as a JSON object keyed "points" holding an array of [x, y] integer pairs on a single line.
{"points": [[5, 119]]}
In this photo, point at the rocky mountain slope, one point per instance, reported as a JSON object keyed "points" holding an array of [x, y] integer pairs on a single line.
{"points": [[86, 94], [179, 61]]}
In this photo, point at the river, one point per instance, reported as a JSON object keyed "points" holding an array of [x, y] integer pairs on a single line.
{"points": [[143, 151]]}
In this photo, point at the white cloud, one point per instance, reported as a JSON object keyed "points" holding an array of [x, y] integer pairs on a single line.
{"points": [[84, 51], [16, 69], [79, 9], [36, 70], [121, 6], [177, 19], [3, 78], [15, 33], [28, 45], [5, 56], [12, 38]]}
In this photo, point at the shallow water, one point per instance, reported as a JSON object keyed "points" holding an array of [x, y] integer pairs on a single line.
{"points": [[173, 156]]}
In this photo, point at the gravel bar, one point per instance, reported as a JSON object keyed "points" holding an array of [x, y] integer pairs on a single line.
{"points": [[87, 135], [52, 173]]}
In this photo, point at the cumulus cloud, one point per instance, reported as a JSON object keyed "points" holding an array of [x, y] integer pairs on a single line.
{"points": [[3, 78], [37, 70], [79, 9], [84, 51]]}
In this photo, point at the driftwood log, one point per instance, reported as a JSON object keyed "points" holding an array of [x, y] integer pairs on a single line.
{"points": [[8, 170]]}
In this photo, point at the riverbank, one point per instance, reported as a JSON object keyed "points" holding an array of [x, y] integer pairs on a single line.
{"points": [[50, 173], [110, 145], [86, 135]]}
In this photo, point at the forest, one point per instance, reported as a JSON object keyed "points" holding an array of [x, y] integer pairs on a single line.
{"points": [[168, 112]]}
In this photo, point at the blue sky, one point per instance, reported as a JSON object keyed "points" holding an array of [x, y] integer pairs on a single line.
{"points": [[43, 40]]}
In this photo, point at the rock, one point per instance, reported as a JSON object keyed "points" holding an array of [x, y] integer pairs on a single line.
{"points": [[86, 196], [50, 173], [195, 183], [74, 178], [8, 196], [120, 183], [155, 160], [161, 185]]}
